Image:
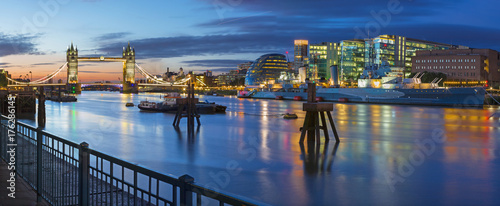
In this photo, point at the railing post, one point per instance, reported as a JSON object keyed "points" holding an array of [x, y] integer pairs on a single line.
{"points": [[39, 145], [186, 195], [83, 174]]}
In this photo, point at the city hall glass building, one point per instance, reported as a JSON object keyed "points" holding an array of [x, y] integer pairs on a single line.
{"points": [[266, 68]]}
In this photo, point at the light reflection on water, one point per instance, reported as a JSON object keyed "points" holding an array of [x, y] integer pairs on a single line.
{"points": [[377, 141]]}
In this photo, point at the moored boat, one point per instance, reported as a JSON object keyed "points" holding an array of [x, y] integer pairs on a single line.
{"points": [[169, 105]]}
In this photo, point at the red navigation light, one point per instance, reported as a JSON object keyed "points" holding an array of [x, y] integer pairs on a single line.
{"points": [[385, 45], [286, 52]]}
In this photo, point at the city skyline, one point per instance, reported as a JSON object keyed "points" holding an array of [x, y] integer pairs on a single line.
{"points": [[221, 34]]}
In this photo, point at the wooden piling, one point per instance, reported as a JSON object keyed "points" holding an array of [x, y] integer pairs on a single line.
{"points": [[314, 112], [187, 108], [41, 108]]}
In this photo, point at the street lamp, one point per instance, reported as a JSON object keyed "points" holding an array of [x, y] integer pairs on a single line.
{"points": [[31, 76]]}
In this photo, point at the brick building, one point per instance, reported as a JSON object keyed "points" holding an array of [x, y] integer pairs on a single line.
{"points": [[463, 67]]}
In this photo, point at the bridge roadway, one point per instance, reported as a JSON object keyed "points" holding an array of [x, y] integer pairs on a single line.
{"points": [[102, 84]]}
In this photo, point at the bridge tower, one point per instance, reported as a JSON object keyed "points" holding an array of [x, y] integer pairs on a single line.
{"points": [[72, 73], [129, 85]]}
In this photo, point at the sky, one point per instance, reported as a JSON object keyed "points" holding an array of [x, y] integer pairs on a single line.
{"points": [[219, 34]]}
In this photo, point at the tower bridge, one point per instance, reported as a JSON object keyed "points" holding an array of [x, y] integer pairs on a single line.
{"points": [[128, 83]]}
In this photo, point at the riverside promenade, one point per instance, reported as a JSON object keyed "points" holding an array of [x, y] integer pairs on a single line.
{"points": [[25, 195]]}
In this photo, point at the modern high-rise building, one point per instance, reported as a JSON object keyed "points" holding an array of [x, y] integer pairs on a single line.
{"points": [[398, 50], [352, 59], [300, 53], [322, 56], [463, 67]]}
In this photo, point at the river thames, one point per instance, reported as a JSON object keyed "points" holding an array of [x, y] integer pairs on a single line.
{"points": [[388, 155]]}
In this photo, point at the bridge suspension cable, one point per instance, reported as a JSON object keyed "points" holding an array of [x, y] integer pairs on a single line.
{"points": [[156, 80], [43, 79]]}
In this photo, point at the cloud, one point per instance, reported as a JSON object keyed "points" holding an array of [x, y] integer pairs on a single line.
{"points": [[228, 63], [165, 47], [17, 44], [329, 8], [43, 64], [112, 36], [257, 27]]}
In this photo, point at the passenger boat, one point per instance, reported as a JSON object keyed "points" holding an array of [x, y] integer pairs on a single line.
{"points": [[170, 105]]}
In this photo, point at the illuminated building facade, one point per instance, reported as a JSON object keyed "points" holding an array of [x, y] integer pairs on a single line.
{"points": [[399, 50], [266, 69], [322, 56], [463, 67], [300, 53], [396, 50], [352, 59]]}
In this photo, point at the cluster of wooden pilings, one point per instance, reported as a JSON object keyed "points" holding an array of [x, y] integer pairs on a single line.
{"points": [[187, 108], [314, 111], [25, 103]]}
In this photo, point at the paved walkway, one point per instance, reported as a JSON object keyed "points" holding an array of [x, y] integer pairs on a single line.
{"points": [[25, 195]]}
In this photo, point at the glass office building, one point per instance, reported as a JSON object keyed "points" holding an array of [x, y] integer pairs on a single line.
{"points": [[322, 56], [398, 50], [352, 59], [266, 69]]}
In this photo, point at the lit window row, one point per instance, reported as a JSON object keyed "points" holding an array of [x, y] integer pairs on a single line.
{"points": [[445, 60], [445, 67]]}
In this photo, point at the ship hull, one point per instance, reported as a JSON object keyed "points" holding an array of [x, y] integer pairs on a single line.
{"points": [[201, 108], [469, 97]]}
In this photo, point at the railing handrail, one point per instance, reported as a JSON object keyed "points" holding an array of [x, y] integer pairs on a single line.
{"points": [[223, 197], [137, 167], [46, 133]]}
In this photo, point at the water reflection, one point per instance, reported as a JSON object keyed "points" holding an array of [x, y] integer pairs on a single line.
{"points": [[317, 160], [276, 169]]}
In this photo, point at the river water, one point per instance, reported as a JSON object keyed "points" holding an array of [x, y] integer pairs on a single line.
{"points": [[388, 155]]}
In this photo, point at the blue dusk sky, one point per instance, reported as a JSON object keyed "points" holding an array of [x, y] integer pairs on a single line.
{"points": [[218, 34]]}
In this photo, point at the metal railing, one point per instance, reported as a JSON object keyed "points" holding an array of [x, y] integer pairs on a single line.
{"points": [[65, 173]]}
